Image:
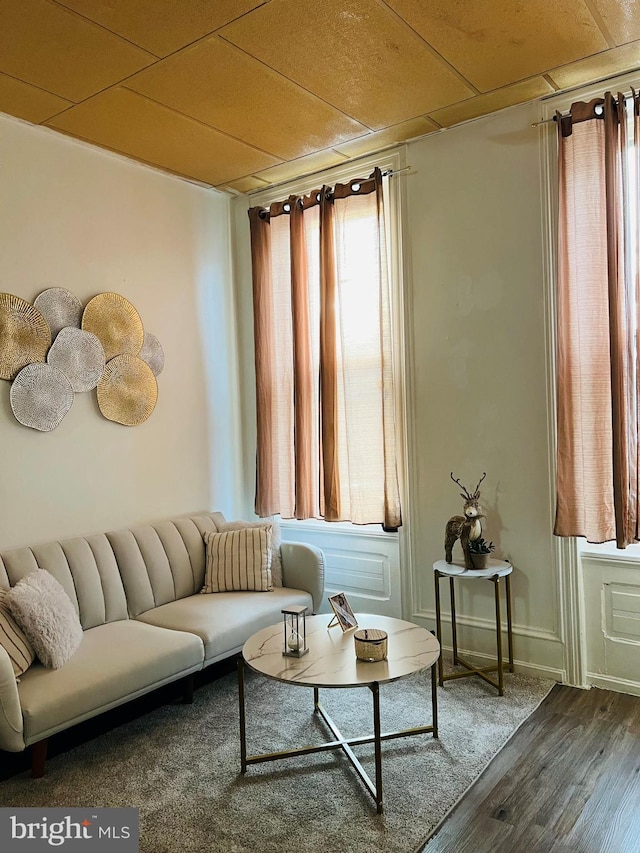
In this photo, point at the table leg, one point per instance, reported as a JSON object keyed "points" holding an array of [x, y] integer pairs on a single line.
{"points": [[434, 699], [496, 583], [454, 627], [436, 576], [243, 734], [375, 689], [509, 622], [316, 699]]}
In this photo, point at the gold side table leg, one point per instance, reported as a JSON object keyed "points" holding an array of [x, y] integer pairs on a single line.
{"points": [[434, 698], [375, 689], [496, 584], [509, 622], [243, 731], [454, 627], [437, 576]]}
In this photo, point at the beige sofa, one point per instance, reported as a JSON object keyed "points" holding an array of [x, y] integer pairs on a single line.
{"points": [[137, 593]]}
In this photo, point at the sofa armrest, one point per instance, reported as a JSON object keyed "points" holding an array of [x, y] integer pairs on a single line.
{"points": [[10, 712], [303, 568]]}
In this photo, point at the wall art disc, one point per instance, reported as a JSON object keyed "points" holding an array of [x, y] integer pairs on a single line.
{"points": [[79, 355], [25, 336], [152, 353], [41, 395], [115, 322], [127, 391], [60, 308]]}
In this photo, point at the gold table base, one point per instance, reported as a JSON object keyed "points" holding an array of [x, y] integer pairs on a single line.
{"points": [[340, 742], [482, 671]]}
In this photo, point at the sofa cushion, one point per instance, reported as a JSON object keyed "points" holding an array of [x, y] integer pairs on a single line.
{"points": [[13, 640], [162, 562], [238, 560], [226, 621], [115, 662], [45, 613], [276, 560]]}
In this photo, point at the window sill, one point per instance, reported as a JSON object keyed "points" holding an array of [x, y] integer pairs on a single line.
{"points": [[341, 528]]}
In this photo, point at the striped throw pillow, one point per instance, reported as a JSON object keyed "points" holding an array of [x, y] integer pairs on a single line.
{"points": [[238, 560], [13, 640]]}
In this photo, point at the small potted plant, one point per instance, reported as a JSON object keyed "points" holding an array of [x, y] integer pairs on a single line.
{"points": [[480, 551]]}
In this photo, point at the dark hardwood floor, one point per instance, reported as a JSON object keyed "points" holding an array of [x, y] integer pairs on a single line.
{"points": [[567, 782]]}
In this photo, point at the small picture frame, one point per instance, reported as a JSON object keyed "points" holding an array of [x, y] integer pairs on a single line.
{"points": [[343, 614]]}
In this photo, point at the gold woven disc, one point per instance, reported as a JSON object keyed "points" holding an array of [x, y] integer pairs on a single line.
{"points": [[127, 391], [116, 324], [25, 336]]}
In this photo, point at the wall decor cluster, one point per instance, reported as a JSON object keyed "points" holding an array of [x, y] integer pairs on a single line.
{"points": [[52, 349]]}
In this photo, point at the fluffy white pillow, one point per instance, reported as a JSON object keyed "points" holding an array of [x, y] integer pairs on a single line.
{"points": [[45, 613], [276, 560], [238, 560]]}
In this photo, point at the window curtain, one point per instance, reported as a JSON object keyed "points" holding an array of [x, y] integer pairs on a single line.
{"points": [[597, 339], [326, 438]]}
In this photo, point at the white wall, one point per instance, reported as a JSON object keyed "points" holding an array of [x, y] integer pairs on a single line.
{"points": [[76, 217], [477, 367]]}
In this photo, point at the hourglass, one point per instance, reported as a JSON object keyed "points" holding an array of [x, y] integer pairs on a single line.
{"points": [[294, 622]]}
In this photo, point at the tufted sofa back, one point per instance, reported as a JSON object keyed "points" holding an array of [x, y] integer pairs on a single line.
{"points": [[111, 576]]}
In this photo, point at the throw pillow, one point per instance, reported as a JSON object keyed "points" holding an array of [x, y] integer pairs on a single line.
{"points": [[45, 613], [13, 640], [238, 560], [276, 560]]}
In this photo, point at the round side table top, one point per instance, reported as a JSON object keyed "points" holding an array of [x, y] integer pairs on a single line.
{"points": [[496, 568], [331, 660]]}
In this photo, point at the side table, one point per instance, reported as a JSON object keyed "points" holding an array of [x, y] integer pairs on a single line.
{"points": [[495, 570]]}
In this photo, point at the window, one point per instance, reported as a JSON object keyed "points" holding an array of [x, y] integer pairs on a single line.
{"points": [[326, 398]]}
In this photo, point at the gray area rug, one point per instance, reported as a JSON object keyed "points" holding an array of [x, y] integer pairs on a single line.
{"points": [[180, 766]]}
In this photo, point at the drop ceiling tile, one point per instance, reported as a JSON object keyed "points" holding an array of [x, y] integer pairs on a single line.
{"points": [[496, 42], [482, 105], [389, 136], [46, 45], [162, 26], [124, 121], [621, 18], [304, 166], [605, 64], [28, 102], [246, 185], [355, 54], [222, 86]]}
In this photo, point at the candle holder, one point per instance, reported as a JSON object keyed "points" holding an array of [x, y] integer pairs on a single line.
{"points": [[294, 623]]}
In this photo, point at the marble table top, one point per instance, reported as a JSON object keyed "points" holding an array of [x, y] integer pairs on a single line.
{"points": [[495, 568], [332, 662]]}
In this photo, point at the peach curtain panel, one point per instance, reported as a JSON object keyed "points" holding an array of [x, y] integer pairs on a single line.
{"points": [[597, 323], [326, 434]]}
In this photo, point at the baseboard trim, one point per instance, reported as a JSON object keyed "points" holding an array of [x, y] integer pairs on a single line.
{"points": [[609, 682], [490, 625], [521, 666]]}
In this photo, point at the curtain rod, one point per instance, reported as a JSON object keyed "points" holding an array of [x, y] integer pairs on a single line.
{"points": [[599, 110], [392, 172]]}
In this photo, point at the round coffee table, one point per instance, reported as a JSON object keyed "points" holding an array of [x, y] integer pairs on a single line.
{"points": [[331, 663]]}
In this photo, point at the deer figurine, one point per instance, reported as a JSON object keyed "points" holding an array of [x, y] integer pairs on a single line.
{"points": [[467, 527]]}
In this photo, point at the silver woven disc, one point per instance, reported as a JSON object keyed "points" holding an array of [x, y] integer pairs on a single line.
{"points": [[60, 308], [80, 356], [41, 395], [152, 353]]}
